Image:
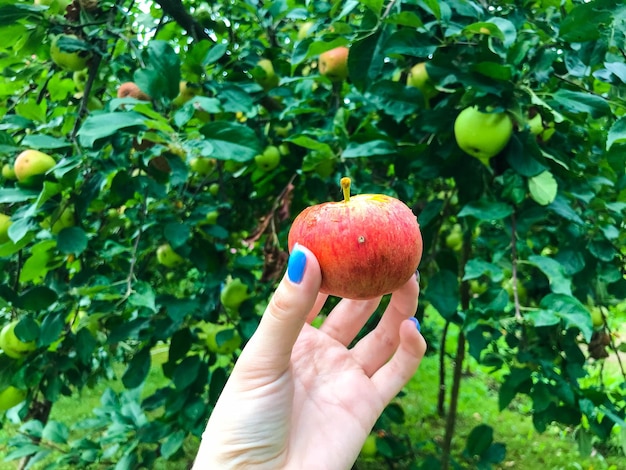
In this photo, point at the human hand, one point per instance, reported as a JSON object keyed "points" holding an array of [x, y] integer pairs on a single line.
{"points": [[297, 397]]}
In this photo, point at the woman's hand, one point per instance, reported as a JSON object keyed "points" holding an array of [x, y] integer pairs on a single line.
{"points": [[298, 397]]}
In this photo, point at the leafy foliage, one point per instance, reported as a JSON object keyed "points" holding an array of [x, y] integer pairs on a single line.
{"points": [[542, 221]]}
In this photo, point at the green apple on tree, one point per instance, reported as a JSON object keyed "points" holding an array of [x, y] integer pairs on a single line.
{"points": [[168, 257], [62, 218], [68, 60], [8, 172], [11, 396], [267, 78], [12, 345], [597, 319], [269, 159], [5, 223], [369, 449], [305, 29], [80, 79], [454, 240], [203, 166], [482, 134], [333, 64], [234, 293], [211, 217], [31, 166], [214, 189], [418, 78]]}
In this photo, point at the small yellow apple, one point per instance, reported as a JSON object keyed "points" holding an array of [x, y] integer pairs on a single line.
{"points": [[5, 223], [11, 396], [267, 78], [31, 165], [168, 257]]}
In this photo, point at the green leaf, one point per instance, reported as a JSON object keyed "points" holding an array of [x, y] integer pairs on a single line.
{"points": [[161, 77], [484, 209], [409, 42], [475, 268], [369, 149], [405, 18], [617, 133], [40, 141], [231, 141], [56, 432], [442, 292], [578, 102], [479, 440], [177, 234], [39, 262], [138, 368], [541, 318], [99, 126], [172, 443], [143, 296], [543, 188], [9, 195], [186, 372], [518, 380], [37, 298], [72, 240], [573, 313], [584, 23], [365, 61], [559, 283], [395, 99], [12, 13], [233, 99]]}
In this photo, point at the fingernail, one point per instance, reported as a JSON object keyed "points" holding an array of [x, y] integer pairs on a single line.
{"points": [[296, 264], [417, 323], [417, 275]]}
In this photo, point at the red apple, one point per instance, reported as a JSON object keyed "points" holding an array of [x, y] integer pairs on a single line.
{"points": [[367, 245]]}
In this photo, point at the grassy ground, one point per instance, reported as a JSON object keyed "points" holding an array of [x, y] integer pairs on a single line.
{"points": [[526, 449]]}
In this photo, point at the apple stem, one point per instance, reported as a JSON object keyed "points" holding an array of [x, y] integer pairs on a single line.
{"points": [[345, 186]]}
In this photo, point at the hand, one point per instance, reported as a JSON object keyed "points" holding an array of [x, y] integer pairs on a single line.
{"points": [[297, 397]]}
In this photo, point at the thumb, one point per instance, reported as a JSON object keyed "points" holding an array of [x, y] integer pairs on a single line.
{"points": [[287, 310]]}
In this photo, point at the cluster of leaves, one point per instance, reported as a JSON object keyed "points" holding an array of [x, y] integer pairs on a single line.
{"points": [[543, 219]]}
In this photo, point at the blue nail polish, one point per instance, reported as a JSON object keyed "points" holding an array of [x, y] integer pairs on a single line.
{"points": [[417, 323], [296, 265]]}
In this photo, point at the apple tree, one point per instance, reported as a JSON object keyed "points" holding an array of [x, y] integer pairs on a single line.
{"points": [[185, 137]]}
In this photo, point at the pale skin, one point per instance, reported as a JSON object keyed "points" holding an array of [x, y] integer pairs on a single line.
{"points": [[298, 397]]}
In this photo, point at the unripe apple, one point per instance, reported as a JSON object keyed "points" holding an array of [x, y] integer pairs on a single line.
{"points": [[168, 257], [131, 89], [10, 397], [269, 159], [12, 345], [482, 135], [214, 188], [8, 172], [418, 78], [202, 165], [233, 294], [367, 245], [31, 165], [60, 220], [305, 29], [211, 217], [72, 61], [5, 223], [186, 91], [454, 240], [80, 79], [369, 449], [268, 79], [597, 319], [333, 64]]}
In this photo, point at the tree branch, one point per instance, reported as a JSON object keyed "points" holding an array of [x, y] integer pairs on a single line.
{"points": [[176, 10]]}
